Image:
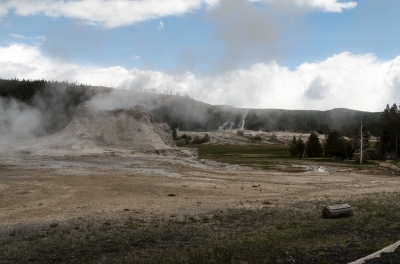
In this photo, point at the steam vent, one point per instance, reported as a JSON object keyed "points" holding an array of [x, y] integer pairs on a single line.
{"points": [[132, 128]]}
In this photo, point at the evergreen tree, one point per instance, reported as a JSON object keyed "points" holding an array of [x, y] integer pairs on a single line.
{"points": [[300, 146], [296, 147], [196, 140], [335, 145], [205, 139], [389, 136], [314, 148], [293, 147]]}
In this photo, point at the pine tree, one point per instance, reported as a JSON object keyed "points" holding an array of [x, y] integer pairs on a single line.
{"points": [[196, 140], [389, 135], [314, 148], [335, 145], [300, 146]]}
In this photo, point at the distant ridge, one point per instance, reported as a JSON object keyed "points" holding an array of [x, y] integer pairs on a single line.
{"points": [[58, 102]]}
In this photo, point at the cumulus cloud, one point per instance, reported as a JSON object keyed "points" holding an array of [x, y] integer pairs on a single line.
{"points": [[108, 13], [317, 89], [346, 80], [116, 13]]}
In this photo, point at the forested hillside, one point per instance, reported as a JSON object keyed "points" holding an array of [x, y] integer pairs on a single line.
{"points": [[57, 101], [54, 103]]}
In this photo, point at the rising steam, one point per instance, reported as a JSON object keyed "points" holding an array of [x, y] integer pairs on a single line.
{"points": [[243, 121]]}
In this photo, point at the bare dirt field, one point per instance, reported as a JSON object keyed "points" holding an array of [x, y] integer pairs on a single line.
{"points": [[39, 192], [44, 188]]}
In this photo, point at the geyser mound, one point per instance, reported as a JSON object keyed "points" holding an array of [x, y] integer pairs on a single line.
{"points": [[94, 130], [132, 128]]}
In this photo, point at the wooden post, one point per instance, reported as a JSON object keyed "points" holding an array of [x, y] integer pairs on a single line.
{"points": [[361, 144], [304, 152]]}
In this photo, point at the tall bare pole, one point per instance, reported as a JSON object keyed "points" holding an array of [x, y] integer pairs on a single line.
{"points": [[361, 144]]}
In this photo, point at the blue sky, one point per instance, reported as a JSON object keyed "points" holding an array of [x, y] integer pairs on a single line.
{"points": [[294, 54]]}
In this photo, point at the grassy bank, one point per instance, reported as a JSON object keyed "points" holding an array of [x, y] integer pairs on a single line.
{"points": [[271, 233]]}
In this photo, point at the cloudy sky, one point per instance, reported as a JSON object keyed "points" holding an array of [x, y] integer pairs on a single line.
{"points": [[288, 54]]}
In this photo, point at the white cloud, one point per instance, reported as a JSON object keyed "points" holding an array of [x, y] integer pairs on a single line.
{"points": [[108, 13], [327, 5], [135, 57], [347, 80], [160, 25], [20, 37], [24, 61], [115, 13], [17, 36], [321, 5]]}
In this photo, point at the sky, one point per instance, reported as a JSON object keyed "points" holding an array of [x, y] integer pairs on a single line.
{"points": [[285, 54]]}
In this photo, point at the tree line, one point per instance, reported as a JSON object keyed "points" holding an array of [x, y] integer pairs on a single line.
{"points": [[59, 101], [389, 134], [336, 145], [188, 114], [56, 101]]}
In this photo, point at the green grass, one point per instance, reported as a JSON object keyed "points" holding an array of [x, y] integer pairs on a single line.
{"points": [[292, 233], [263, 150], [267, 157], [260, 156]]}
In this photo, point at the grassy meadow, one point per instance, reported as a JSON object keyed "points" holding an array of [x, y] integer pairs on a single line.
{"points": [[269, 234], [272, 157]]}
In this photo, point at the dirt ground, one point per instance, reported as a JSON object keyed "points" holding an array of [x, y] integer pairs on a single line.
{"points": [[44, 188]]}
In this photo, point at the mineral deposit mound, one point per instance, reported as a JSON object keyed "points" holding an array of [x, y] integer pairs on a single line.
{"points": [[132, 129]]}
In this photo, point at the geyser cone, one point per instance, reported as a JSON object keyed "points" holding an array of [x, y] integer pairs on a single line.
{"points": [[132, 129]]}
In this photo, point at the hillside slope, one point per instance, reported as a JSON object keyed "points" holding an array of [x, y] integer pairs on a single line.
{"points": [[56, 103]]}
